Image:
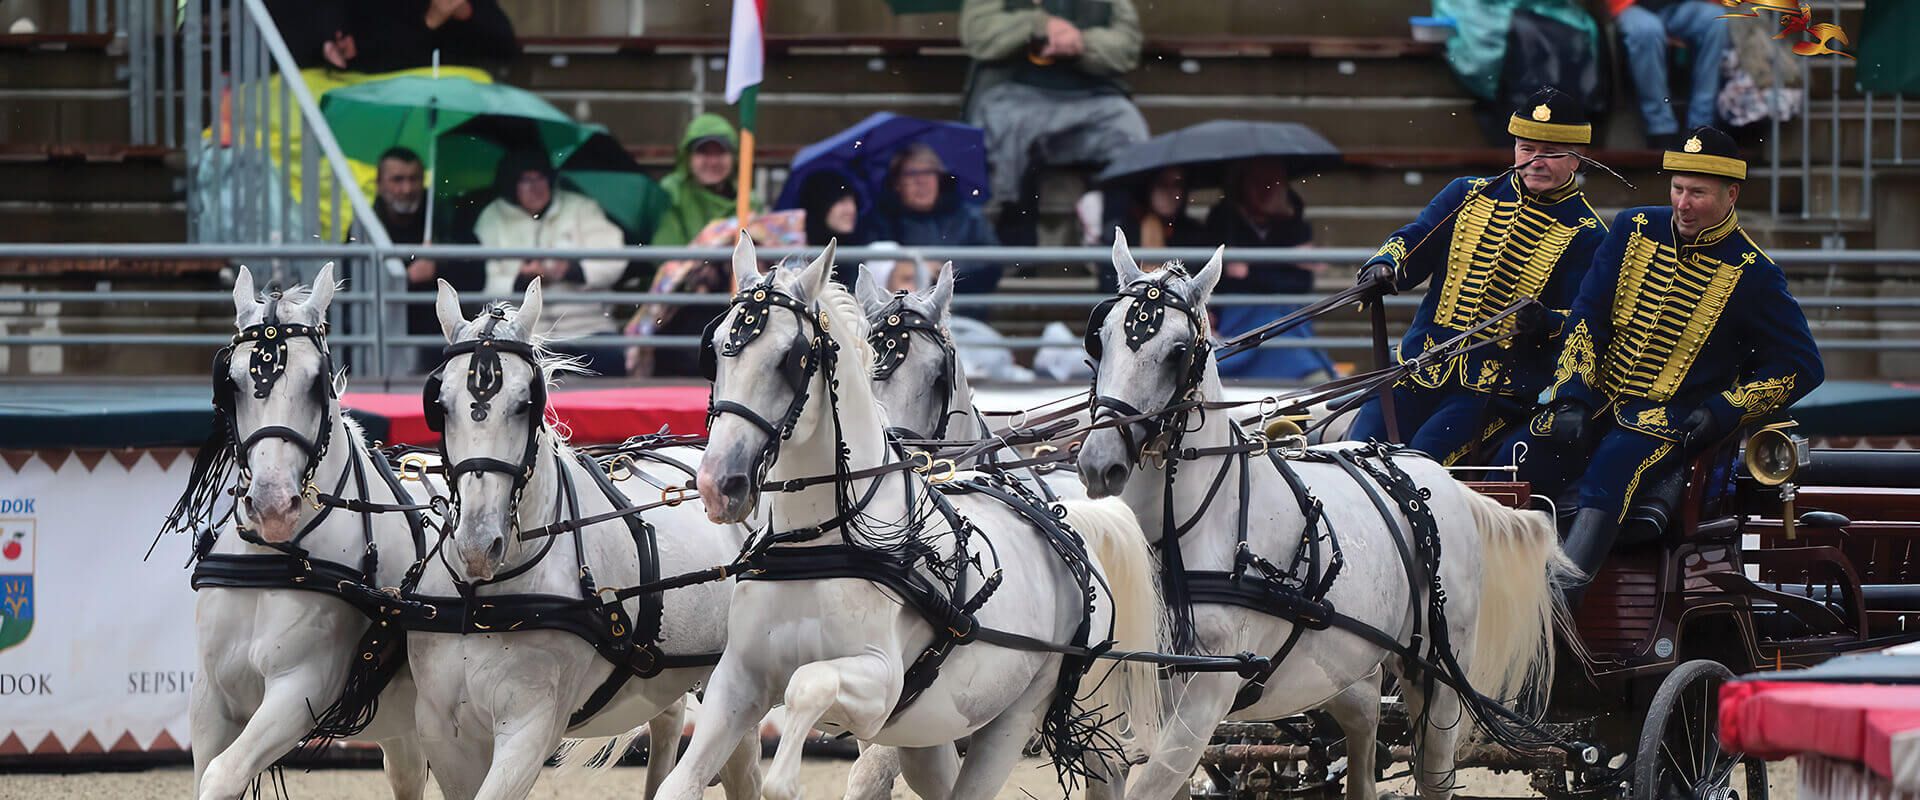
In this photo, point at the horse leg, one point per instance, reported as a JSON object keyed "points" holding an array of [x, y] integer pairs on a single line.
{"points": [[734, 704], [214, 729], [663, 743], [1358, 711], [1109, 780], [741, 775], [1198, 706], [459, 759], [857, 685], [1440, 719], [525, 737], [930, 771], [872, 775], [993, 750], [276, 726], [406, 766]]}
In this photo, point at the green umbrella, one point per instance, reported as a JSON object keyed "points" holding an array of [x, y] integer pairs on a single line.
{"points": [[410, 111], [465, 128]]}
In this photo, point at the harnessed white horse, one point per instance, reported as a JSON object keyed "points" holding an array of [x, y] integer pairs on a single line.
{"points": [[1498, 567], [793, 401], [271, 659], [495, 701]]}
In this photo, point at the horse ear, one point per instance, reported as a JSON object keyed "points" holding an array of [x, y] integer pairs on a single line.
{"points": [[531, 304], [746, 264], [867, 288], [322, 294], [941, 295], [1209, 276], [245, 297], [1124, 266], [812, 280], [447, 307]]}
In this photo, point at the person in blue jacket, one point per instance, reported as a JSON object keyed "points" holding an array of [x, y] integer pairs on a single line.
{"points": [[1485, 243], [1682, 331]]}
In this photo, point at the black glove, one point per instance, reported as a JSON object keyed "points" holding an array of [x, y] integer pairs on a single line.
{"points": [[1699, 426], [1381, 275], [1531, 326], [1568, 420]]}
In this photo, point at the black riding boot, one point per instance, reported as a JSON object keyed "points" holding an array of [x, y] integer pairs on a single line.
{"points": [[1587, 544]]}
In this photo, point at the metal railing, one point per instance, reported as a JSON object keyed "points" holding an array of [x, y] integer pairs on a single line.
{"points": [[374, 342]]}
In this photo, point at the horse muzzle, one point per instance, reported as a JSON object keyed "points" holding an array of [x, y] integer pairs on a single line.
{"points": [[1104, 464], [481, 552], [272, 511]]}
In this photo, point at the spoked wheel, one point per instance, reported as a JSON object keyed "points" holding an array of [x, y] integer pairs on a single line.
{"points": [[1680, 757]]}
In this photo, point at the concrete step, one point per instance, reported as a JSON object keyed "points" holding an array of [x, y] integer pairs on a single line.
{"points": [[1242, 17], [79, 181], [63, 116], [31, 221]]}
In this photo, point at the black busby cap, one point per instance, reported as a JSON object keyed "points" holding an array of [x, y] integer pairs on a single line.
{"points": [[1551, 115], [1707, 151]]}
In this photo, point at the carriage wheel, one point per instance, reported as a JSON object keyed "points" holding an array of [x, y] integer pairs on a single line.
{"points": [[1680, 757]]}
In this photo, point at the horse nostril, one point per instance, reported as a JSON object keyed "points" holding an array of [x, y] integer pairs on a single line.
{"points": [[497, 549], [1114, 475], [733, 485]]}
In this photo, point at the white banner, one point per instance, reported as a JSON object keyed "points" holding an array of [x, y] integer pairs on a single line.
{"points": [[96, 645]]}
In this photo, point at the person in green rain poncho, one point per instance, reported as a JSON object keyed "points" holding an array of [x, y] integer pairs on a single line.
{"points": [[701, 187]]}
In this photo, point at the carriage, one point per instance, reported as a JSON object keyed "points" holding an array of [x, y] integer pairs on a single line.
{"points": [[1761, 554]]}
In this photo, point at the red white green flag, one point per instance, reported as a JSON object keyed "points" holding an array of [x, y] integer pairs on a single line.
{"points": [[746, 62]]}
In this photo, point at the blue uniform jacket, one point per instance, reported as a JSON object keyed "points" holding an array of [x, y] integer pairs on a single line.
{"points": [[1502, 245], [1661, 330]]}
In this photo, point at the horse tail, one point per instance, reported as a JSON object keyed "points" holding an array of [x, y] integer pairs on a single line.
{"points": [[1521, 571], [605, 752], [1114, 537]]}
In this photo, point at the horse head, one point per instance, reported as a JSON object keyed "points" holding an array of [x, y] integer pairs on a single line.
{"points": [[917, 376], [275, 385], [488, 400], [1151, 349], [765, 355]]}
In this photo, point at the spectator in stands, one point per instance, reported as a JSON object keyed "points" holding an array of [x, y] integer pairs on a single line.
{"points": [[1046, 88], [832, 207], [532, 212], [1261, 210], [922, 207], [1645, 27], [1152, 213], [400, 204], [701, 187], [390, 35]]}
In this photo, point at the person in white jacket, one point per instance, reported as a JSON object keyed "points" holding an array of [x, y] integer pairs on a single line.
{"points": [[532, 212]]}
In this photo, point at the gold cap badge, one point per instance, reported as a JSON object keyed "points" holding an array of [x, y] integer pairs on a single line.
{"points": [[1692, 145], [1541, 113]]}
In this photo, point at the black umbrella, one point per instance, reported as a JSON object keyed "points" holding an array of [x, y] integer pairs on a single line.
{"points": [[1205, 147]]}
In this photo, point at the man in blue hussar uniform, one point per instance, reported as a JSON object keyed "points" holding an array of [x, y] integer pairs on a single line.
{"points": [[1683, 330], [1486, 243]]}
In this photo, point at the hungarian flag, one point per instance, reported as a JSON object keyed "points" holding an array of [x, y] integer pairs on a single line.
{"points": [[746, 61]]}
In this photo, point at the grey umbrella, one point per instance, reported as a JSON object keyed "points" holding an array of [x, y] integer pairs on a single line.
{"points": [[1203, 148]]}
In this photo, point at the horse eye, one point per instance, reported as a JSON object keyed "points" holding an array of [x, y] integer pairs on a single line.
{"points": [[522, 407]]}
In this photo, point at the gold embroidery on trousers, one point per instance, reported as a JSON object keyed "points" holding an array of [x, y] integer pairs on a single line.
{"points": [[1626, 498], [1576, 358]]}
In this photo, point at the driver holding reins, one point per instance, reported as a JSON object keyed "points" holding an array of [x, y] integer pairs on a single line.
{"points": [[1682, 331], [1486, 243]]}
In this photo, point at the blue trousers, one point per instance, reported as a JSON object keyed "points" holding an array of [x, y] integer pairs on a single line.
{"points": [[1442, 423], [1608, 465], [1645, 34]]}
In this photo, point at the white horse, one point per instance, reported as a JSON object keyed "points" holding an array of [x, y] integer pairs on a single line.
{"points": [[919, 379], [271, 659], [494, 704], [1499, 567], [794, 400]]}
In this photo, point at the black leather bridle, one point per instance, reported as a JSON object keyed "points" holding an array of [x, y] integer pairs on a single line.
{"points": [[266, 364], [484, 380], [1144, 319], [891, 337], [810, 353]]}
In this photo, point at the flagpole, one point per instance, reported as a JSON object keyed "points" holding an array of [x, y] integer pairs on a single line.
{"points": [[743, 192]]}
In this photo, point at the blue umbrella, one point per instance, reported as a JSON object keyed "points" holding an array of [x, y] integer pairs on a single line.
{"points": [[861, 154]]}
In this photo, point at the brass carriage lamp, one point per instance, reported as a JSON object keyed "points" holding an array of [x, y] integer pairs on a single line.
{"points": [[1774, 456]]}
